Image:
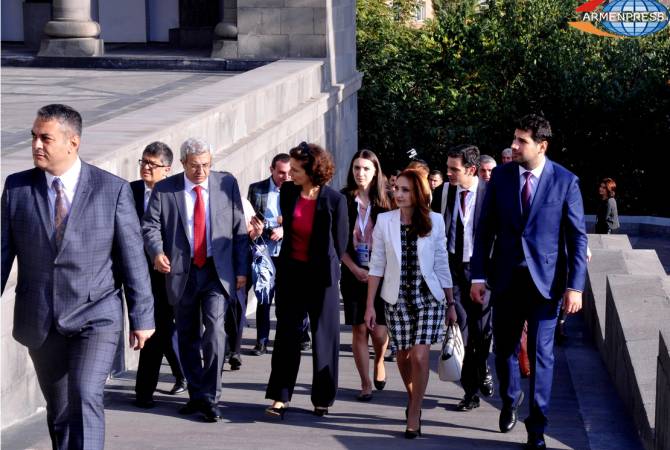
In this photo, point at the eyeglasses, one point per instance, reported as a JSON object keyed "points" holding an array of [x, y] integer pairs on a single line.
{"points": [[149, 164]]}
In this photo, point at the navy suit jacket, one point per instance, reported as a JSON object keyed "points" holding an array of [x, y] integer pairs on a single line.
{"points": [[551, 239], [77, 285]]}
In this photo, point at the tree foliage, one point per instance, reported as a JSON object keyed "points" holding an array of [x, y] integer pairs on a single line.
{"points": [[466, 76]]}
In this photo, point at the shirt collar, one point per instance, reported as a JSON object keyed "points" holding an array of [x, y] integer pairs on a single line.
{"points": [[273, 186], [536, 171], [472, 188], [189, 185], [147, 189], [69, 178]]}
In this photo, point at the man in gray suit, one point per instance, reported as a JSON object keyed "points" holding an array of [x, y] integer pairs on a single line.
{"points": [[195, 232], [461, 205], [76, 237]]}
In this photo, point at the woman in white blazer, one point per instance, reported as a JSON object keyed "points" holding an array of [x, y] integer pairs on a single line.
{"points": [[409, 252]]}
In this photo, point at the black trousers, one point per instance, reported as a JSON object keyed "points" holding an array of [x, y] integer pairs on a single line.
{"points": [[476, 327], [298, 294], [163, 343], [203, 305]]}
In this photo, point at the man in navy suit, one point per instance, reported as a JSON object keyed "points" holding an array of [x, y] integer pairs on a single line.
{"points": [[155, 166], [533, 217], [75, 235]]}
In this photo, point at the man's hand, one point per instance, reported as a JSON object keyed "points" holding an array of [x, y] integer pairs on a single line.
{"points": [[138, 338], [162, 263], [277, 234], [572, 301], [241, 282], [477, 291]]}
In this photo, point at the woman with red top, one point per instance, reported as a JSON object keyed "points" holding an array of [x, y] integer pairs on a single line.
{"points": [[315, 226]]}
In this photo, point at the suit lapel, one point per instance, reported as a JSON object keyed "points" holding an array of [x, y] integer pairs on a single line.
{"points": [[181, 202], [80, 199], [216, 201], [394, 223], [450, 203], [446, 187], [42, 200], [481, 192], [542, 189]]}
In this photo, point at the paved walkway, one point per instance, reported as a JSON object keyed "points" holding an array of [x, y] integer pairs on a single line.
{"points": [[586, 413]]}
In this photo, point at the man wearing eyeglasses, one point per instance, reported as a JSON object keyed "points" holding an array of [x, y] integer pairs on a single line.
{"points": [[155, 166], [195, 233]]}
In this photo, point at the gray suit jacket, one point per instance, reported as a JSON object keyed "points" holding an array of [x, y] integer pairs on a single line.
{"points": [[78, 285], [444, 202], [165, 231]]}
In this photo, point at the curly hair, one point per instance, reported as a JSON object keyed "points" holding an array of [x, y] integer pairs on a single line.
{"points": [[316, 161], [420, 191]]}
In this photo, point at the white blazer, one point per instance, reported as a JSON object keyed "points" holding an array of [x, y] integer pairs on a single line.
{"points": [[385, 259]]}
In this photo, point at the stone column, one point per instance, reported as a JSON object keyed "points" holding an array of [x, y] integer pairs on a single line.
{"points": [[71, 32], [225, 33]]}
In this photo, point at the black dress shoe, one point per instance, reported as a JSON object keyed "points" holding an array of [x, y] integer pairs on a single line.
{"points": [[305, 346], [486, 386], [508, 415], [320, 411], [144, 403], [363, 397], [235, 361], [535, 441], [211, 412], [178, 388], [259, 349], [468, 403], [192, 407]]}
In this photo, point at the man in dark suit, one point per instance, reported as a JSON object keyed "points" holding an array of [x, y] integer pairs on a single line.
{"points": [[461, 205], [155, 166], [195, 232], [74, 233], [264, 197], [533, 211]]}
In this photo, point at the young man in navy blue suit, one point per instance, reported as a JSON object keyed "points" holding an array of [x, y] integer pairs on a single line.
{"points": [[533, 217]]}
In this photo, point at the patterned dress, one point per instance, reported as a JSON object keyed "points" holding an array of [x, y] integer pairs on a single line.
{"points": [[417, 317]]}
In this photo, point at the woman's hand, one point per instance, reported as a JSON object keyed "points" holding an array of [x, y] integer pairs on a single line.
{"points": [[370, 318], [451, 315], [361, 274]]}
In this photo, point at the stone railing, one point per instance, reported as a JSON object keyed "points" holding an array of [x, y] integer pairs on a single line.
{"points": [[627, 304], [248, 119]]}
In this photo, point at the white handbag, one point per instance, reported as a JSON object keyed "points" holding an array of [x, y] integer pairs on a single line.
{"points": [[451, 358]]}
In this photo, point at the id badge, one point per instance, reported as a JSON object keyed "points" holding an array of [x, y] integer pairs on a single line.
{"points": [[363, 254]]}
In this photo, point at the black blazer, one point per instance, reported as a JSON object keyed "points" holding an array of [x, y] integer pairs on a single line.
{"points": [[258, 194], [329, 232]]}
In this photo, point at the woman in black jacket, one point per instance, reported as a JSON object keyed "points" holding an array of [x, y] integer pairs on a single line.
{"points": [[607, 217], [366, 198], [308, 273]]}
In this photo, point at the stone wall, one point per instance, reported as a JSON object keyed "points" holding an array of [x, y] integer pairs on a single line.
{"points": [[247, 118], [627, 304]]}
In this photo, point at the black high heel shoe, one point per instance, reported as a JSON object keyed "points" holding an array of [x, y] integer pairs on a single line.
{"points": [[280, 412], [380, 384], [412, 434], [320, 411]]}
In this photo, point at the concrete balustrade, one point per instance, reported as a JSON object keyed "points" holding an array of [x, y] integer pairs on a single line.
{"points": [[71, 32]]}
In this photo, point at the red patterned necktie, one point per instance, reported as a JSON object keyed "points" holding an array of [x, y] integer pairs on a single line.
{"points": [[464, 194], [199, 229], [60, 210], [525, 193]]}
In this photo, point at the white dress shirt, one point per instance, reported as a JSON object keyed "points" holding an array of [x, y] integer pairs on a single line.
{"points": [[272, 210], [467, 218], [70, 179], [190, 196]]}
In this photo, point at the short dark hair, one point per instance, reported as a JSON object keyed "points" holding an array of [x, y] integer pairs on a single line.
{"points": [[63, 114], [316, 161], [468, 153], [539, 127], [436, 172], [159, 150], [283, 157]]}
